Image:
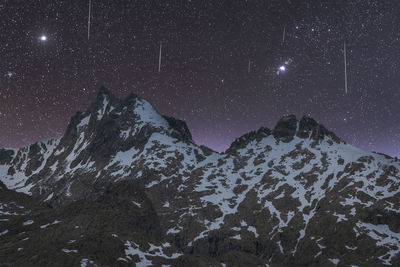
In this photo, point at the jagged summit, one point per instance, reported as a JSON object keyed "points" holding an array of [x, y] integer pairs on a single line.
{"points": [[103, 94], [125, 119], [288, 127], [110, 125], [104, 91], [285, 130]]}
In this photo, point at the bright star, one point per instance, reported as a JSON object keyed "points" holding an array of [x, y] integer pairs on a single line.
{"points": [[43, 38], [282, 68], [10, 74]]}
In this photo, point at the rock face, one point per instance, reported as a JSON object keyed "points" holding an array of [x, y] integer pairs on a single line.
{"points": [[127, 186]]}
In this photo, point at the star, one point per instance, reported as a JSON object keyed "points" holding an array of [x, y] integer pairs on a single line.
{"points": [[10, 74], [199, 55]]}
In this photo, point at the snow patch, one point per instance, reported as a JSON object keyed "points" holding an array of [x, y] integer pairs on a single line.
{"points": [[137, 204], [69, 250], [28, 222], [4, 232]]}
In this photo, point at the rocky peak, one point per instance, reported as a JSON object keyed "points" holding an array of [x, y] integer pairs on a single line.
{"points": [[130, 100], [104, 96], [285, 130], [182, 131], [288, 127], [309, 128], [111, 124], [104, 93]]}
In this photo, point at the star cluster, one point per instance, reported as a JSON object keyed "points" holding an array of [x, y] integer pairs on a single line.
{"points": [[227, 67]]}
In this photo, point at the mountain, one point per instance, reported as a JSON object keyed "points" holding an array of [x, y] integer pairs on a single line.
{"points": [[126, 186]]}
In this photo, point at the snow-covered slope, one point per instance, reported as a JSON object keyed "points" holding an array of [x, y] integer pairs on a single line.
{"points": [[294, 195], [17, 165], [103, 138]]}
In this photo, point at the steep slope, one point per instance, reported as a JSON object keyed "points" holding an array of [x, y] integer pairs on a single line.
{"points": [[17, 165], [110, 131], [296, 195]]}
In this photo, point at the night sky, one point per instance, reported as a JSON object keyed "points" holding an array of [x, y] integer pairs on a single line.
{"points": [[205, 78]]}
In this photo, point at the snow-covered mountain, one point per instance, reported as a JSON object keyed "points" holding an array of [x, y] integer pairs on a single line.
{"points": [[134, 185]]}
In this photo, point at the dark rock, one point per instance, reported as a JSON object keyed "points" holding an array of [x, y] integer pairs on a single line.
{"points": [[286, 128], [245, 139], [180, 127], [309, 128], [6, 156]]}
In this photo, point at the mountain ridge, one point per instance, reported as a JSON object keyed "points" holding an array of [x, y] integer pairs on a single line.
{"points": [[293, 195], [304, 125]]}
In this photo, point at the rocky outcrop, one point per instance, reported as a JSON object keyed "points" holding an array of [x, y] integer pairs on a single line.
{"points": [[244, 140]]}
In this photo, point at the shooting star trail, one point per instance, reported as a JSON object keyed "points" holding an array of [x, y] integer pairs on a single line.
{"points": [[159, 59], [248, 69], [283, 35], [345, 67], [90, 11]]}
